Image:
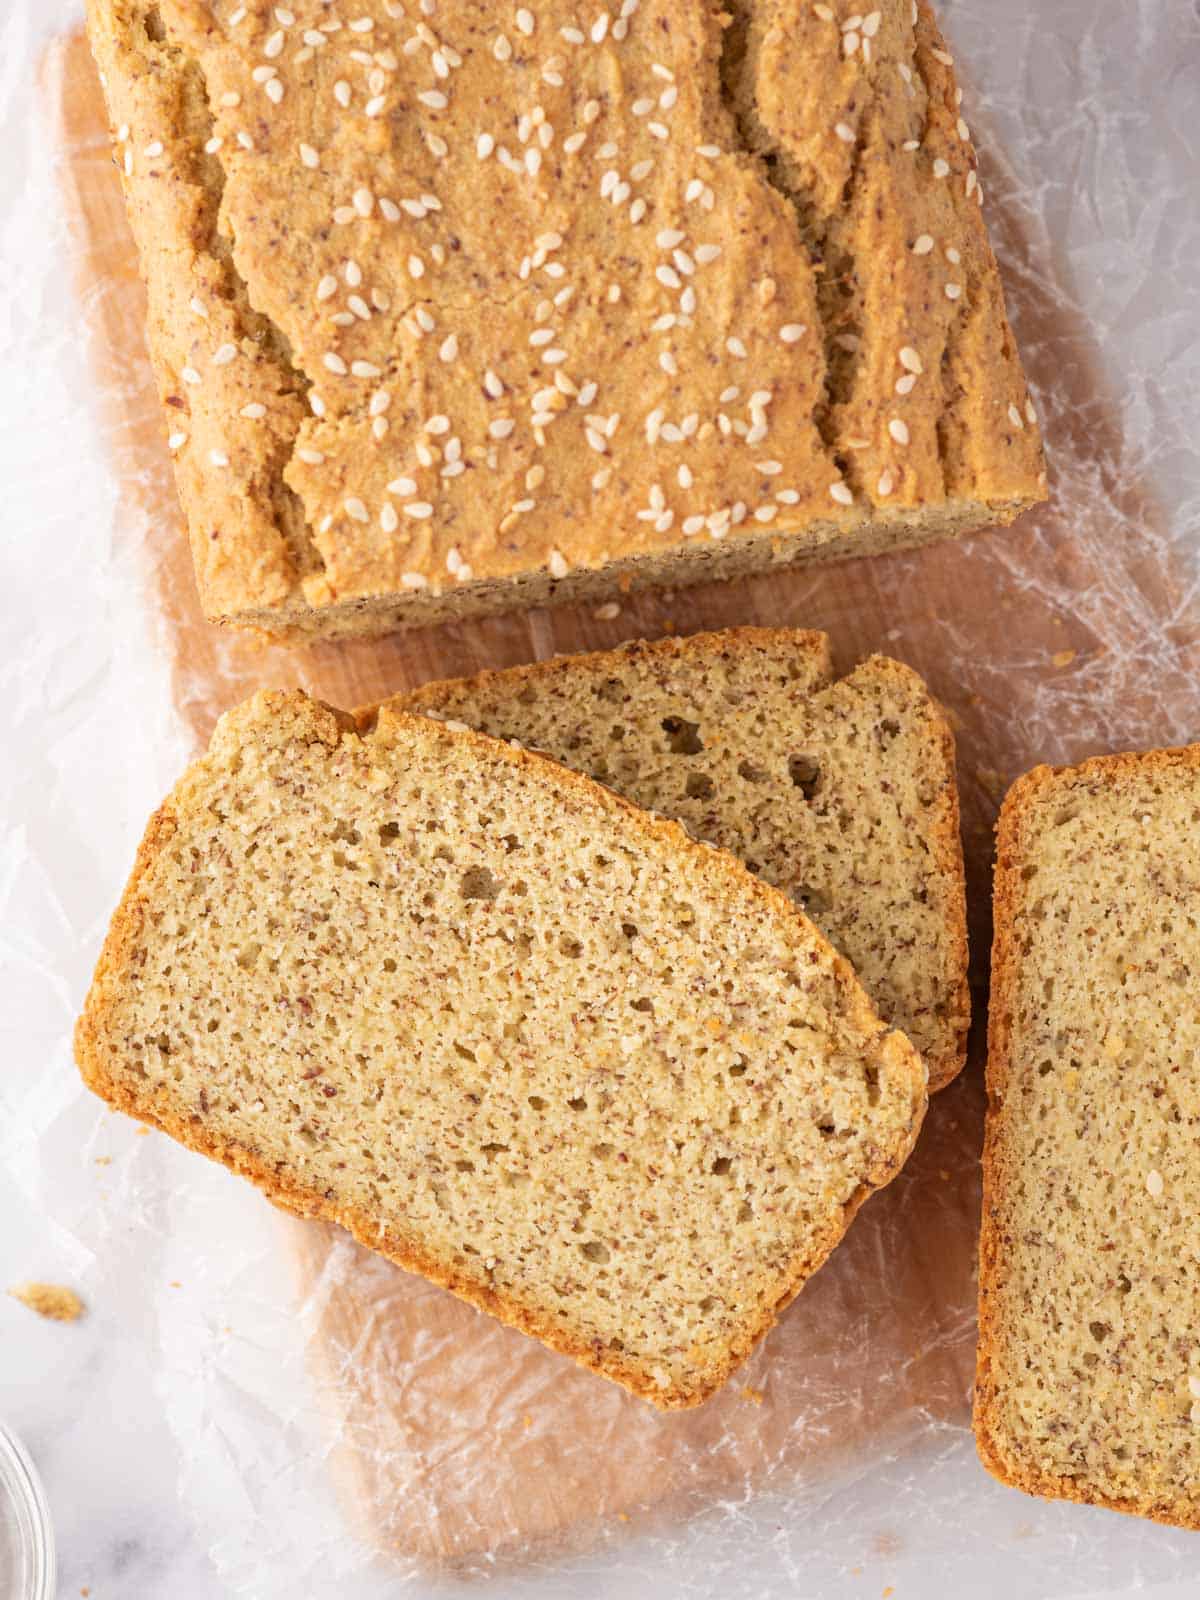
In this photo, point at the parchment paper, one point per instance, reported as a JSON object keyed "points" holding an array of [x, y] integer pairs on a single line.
{"points": [[336, 1417]]}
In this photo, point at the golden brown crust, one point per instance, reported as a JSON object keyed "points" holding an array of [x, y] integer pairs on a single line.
{"points": [[1018, 819], [294, 522], [944, 838], [97, 1047]]}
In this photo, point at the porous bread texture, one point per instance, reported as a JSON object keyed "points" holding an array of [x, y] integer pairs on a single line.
{"points": [[1088, 1382], [839, 791], [506, 1028], [480, 310]]}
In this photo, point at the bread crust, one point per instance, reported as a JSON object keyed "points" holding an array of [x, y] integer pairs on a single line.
{"points": [[1014, 828], [946, 834], [97, 1051], [274, 545]]}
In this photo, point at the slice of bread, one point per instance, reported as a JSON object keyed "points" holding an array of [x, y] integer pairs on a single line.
{"points": [[840, 791], [506, 1028], [1088, 1384]]}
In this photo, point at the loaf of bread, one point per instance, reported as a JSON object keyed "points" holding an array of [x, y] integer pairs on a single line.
{"points": [[840, 791], [476, 307], [1088, 1383], [506, 1028]]}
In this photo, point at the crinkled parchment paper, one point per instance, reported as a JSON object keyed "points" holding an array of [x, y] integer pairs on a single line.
{"points": [[340, 1427]]}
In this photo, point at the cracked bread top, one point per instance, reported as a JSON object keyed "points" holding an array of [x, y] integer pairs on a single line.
{"points": [[444, 293]]}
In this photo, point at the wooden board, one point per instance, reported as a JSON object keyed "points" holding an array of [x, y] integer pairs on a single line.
{"points": [[457, 1439]]}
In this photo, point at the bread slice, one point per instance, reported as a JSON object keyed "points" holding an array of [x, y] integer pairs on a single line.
{"points": [[475, 310], [506, 1028], [1088, 1384], [840, 791]]}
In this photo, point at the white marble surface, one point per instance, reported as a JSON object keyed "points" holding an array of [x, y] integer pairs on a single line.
{"points": [[144, 1498]]}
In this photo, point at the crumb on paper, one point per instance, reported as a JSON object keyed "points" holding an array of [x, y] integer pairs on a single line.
{"points": [[142, 1129], [103, 1161], [175, 1284], [607, 612], [888, 1591], [990, 780], [755, 1396], [622, 1516], [528, 1420], [1063, 658], [52, 1300]]}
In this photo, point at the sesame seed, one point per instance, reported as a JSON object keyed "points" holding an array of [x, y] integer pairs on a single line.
{"points": [[906, 384], [524, 21], [791, 332], [448, 349], [668, 238], [841, 493], [952, 256], [942, 56], [1154, 1183], [1014, 416], [224, 354], [434, 99], [557, 564], [953, 291], [176, 441], [766, 513], [190, 375], [1030, 413], [310, 458], [972, 181], [668, 277], [910, 360], [885, 485], [484, 145], [501, 427], [354, 508], [365, 369], [414, 580], [898, 430], [787, 497], [922, 244], [709, 151], [334, 363], [416, 267], [599, 28], [735, 347], [607, 612], [363, 201], [309, 156], [253, 411], [870, 23], [941, 169], [419, 510], [706, 253], [849, 42]]}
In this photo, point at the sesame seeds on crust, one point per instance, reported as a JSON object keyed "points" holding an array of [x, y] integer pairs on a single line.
{"points": [[548, 230]]}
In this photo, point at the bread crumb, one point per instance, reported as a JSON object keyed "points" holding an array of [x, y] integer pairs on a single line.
{"points": [[51, 1300], [104, 1161], [755, 1396], [143, 1129], [1063, 658]]}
